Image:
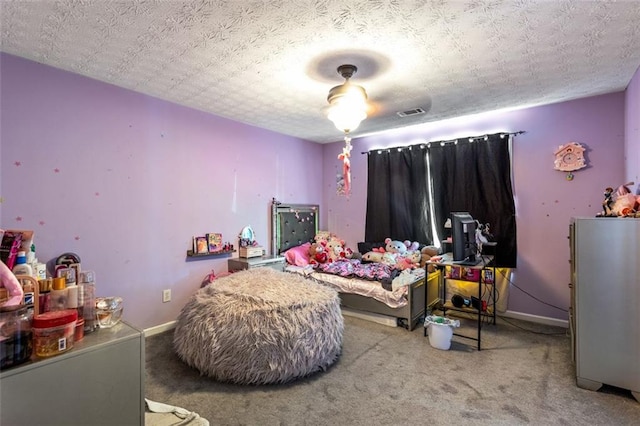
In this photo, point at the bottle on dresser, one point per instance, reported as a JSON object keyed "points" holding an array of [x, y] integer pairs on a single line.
{"points": [[22, 267]]}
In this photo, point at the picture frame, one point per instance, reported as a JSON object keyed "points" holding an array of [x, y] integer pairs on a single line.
{"points": [[214, 242], [200, 245]]}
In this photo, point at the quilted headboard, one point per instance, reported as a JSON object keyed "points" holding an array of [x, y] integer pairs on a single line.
{"points": [[292, 225]]}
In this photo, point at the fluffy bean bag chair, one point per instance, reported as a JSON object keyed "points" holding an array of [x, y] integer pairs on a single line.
{"points": [[260, 326]]}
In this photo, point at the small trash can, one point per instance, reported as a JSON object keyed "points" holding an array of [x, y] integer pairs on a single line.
{"points": [[440, 331]]}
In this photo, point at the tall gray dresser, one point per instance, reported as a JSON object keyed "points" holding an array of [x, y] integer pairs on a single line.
{"points": [[605, 292]]}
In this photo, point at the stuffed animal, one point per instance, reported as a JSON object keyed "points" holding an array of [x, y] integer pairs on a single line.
{"points": [[323, 237], [625, 203], [348, 253], [389, 258], [412, 246], [317, 254], [372, 256], [403, 263], [409, 260], [426, 254], [335, 249], [394, 246], [415, 256]]}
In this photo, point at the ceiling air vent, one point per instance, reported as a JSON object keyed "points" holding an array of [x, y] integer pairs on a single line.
{"points": [[410, 112]]}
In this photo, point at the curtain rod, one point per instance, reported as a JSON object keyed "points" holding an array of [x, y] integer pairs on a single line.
{"points": [[519, 132]]}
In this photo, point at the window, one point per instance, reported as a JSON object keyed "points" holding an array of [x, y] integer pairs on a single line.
{"points": [[411, 191]]}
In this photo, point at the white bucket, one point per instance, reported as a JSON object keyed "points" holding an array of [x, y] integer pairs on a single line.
{"points": [[440, 335]]}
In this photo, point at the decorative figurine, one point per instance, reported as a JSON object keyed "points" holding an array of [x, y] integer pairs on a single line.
{"points": [[608, 202]]}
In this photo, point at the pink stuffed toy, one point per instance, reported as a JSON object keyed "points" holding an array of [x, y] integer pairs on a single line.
{"points": [[625, 204], [409, 260]]}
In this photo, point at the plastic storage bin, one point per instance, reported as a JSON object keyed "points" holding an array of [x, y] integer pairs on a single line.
{"points": [[15, 336], [53, 332]]}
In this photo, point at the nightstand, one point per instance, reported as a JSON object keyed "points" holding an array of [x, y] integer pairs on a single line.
{"points": [[240, 263]]}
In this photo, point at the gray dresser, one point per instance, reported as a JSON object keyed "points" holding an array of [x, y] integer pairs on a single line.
{"points": [[99, 381], [605, 290]]}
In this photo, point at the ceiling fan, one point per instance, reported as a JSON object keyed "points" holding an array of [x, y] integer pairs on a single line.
{"points": [[348, 102]]}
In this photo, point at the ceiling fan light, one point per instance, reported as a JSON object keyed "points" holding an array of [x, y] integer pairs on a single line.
{"points": [[345, 117], [348, 102], [352, 92]]}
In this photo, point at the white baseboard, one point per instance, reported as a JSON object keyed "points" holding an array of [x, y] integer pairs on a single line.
{"points": [[536, 318], [160, 328], [377, 318], [389, 321]]}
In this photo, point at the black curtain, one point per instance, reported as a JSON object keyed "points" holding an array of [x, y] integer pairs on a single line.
{"points": [[398, 195], [475, 177], [466, 176]]}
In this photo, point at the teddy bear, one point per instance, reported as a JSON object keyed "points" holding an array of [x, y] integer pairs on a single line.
{"points": [[317, 254], [335, 249], [394, 246], [426, 254], [323, 237]]}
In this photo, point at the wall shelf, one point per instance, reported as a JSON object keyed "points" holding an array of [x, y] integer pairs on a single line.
{"points": [[192, 255]]}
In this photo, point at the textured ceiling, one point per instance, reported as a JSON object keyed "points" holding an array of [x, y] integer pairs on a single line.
{"points": [[271, 63]]}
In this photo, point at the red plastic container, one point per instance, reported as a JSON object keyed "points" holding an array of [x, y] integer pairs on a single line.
{"points": [[53, 332]]}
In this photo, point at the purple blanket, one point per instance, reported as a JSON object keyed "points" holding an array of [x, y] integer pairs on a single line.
{"points": [[353, 268]]}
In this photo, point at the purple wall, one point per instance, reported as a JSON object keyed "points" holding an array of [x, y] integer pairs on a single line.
{"points": [[545, 199], [632, 130], [125, 180]]}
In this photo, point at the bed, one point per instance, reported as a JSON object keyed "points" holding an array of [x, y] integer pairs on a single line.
{"points": [[294, 225]]}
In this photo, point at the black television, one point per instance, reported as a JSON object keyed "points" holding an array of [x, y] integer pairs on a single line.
{"points": [[463, 238]]}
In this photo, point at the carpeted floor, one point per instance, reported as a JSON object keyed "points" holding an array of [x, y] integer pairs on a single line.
{"points": [[389, 376]]}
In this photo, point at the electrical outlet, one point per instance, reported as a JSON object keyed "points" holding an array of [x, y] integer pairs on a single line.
{"points": [[166, 295]]}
